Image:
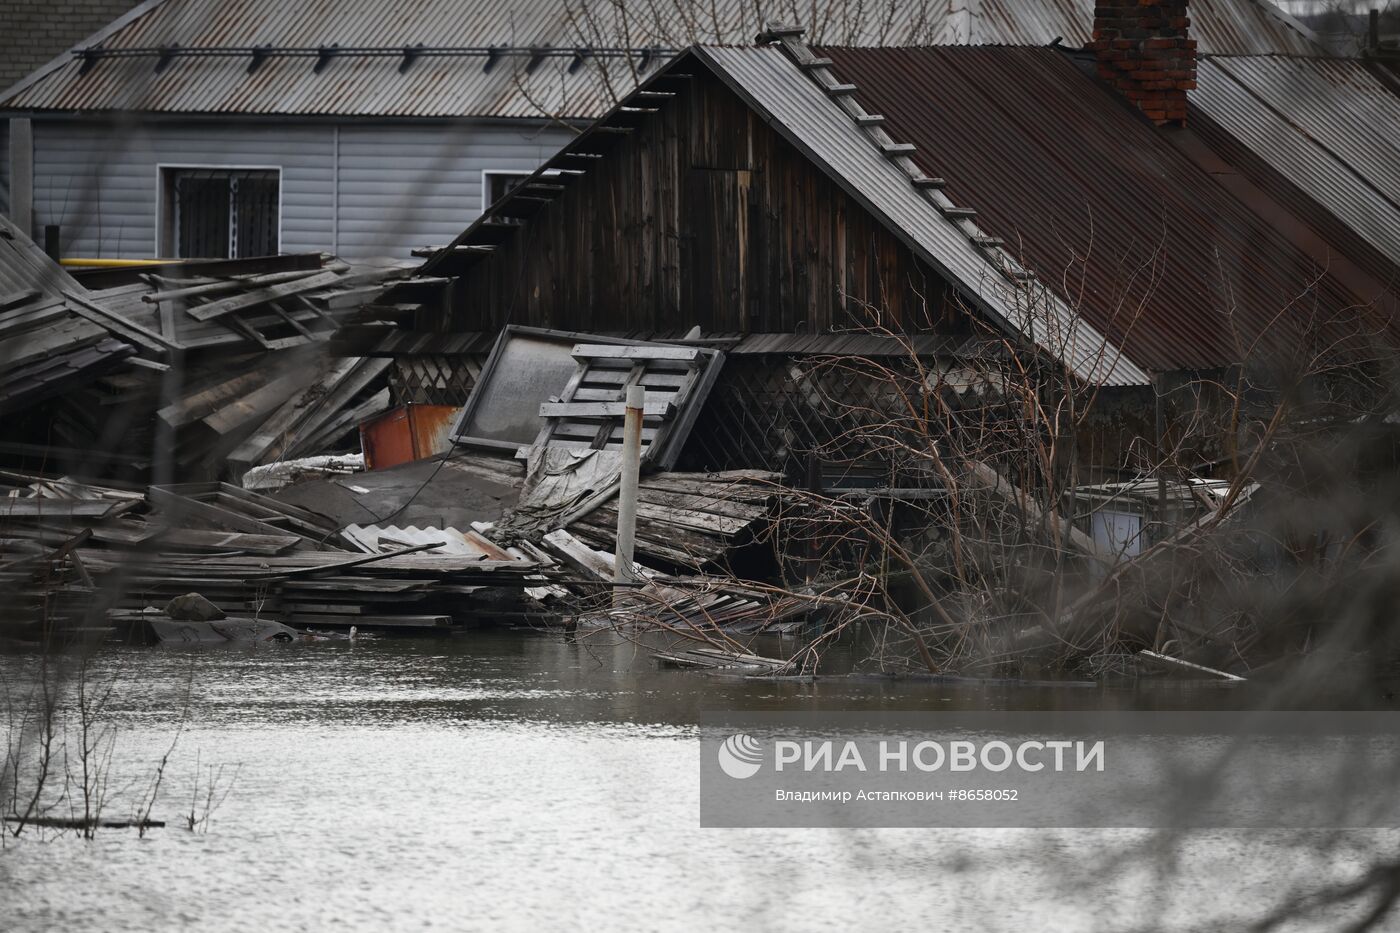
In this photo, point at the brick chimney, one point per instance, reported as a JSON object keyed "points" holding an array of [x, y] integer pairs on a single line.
{"points": [[1144, 49]]}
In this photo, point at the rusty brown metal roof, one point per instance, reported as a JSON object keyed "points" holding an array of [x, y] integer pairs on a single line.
{"points": [[209, 71], [1110, 211]]}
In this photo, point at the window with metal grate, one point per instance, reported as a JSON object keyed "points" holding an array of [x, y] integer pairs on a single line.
{"points": [[220, 213]]}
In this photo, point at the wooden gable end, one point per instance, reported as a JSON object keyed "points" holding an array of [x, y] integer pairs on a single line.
{"points": [[701, 214]]}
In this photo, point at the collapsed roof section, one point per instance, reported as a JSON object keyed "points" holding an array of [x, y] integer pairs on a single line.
{"points": [[53, 333]]}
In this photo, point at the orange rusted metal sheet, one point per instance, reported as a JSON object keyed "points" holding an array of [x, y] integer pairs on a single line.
{"points": [[410, 432]]}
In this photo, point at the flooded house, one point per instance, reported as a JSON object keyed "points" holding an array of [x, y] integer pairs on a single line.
{"points": [[1068, 272], [1144, 215]]}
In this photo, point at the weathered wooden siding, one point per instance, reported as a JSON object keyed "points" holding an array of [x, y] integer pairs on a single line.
{"points": [[703, 215]]}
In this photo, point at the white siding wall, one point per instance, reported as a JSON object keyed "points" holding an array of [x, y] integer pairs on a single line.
{"points": [[400, 185], [408, 186]]}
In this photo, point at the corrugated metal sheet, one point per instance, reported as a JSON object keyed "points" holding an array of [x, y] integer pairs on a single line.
{"points": [[357, 84], [385, 539], [1248, 27], [1222, 27], [1330, 127], [1129, 230], [804, 114]]}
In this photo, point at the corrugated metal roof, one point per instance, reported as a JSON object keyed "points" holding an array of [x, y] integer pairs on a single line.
{"points": [[361, 84], [1330, 127], [1150, 247], [808, 118], [1221, 27], [385, 539]]}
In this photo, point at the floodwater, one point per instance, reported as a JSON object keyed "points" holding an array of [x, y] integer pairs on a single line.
{"points": [[514, 781]]}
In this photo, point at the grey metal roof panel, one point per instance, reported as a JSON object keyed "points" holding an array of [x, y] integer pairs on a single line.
{"points": [[199, 80], [1221, 27], [1248, 27], [1305, 118], [799, 110], [451, 542]]}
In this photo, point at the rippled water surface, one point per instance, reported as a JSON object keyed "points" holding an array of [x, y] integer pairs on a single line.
{"points": [[522, 782]]}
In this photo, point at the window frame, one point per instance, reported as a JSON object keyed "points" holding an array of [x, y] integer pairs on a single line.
{"points": [[165, 218], [488, 173]]}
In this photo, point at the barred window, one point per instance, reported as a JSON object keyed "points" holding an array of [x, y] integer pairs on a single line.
{"points": [[221, 213]]}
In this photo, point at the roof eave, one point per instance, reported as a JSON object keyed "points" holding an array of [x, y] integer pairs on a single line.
{"points": [[121, 22]]}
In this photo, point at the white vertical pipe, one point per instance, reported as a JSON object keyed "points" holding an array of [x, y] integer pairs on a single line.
{"points": [[625, 571]]}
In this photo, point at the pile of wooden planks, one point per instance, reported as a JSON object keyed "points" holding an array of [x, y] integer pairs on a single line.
{"points": [[267, 304], [272, 408], [225, 364], [70, 550], [688, 520], [680, 605], [54, 334]]}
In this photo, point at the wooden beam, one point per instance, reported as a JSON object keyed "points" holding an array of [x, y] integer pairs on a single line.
{"points": [[114, 322], [260, 296], [598, 351], [928, 182], [654, 409]]}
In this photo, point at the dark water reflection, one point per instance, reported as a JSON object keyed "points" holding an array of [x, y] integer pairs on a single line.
{"points": [[516, 781]]}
